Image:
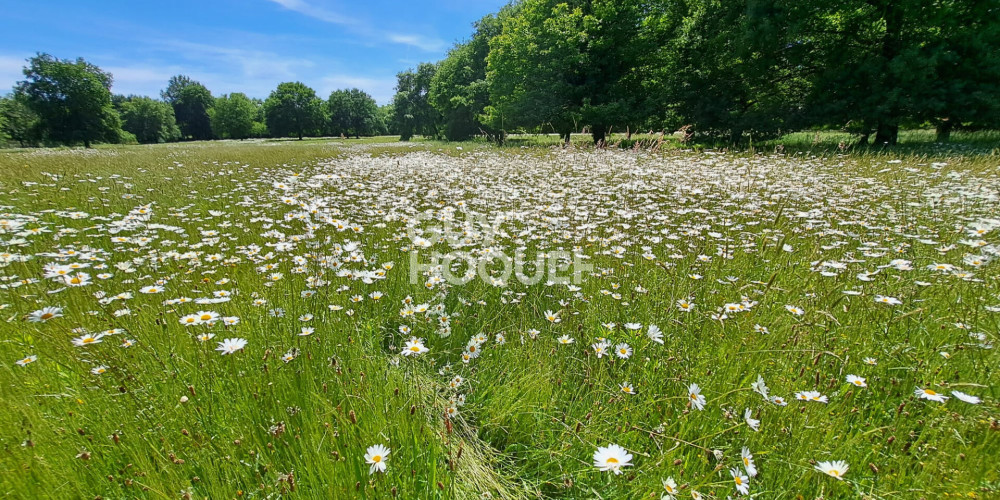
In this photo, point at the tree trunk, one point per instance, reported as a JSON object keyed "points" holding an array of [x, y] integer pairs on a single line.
{"points": [[943, 131], [887, 133], [892, 44], [565, 136], [86, 143], [735, 136], [599, 133]]}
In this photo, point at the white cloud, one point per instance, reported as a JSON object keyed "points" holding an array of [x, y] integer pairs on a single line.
{"points": [[139, 80], [314, 12], [428, 44], [10, 72], [250, 64], [423, 43]]}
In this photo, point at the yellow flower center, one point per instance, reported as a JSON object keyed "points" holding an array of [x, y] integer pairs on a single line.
{"points": [[377, 458], [47, 316], [612, 460], [738, 480], [930, 392]]}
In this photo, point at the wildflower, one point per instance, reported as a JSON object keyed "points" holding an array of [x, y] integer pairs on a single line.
{"points": [[835, 469], [694, 394], [778, 400], [627, 388], [742, 481], [207, 316], [748, 464], [413, 347], [892, 301], [751, 422], [99, 370], [565, 339], [930, 395], [45, 314], [375, 456], [856, 380], [151, 289], [810, 396], [87, 339], [623, 350], [27, 360], [961, 396], [600, 348], [229, 346], [670, 486], [797, 311], [612, 458], [760, 387], [552, 317], [655, 334]]}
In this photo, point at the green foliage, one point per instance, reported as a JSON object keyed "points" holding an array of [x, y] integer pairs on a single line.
{"points": [[174, 86], [17, 121], [723, 70], [414, 114], [352, 112], [233, 116], [732, 67], [458, 89], [387, 120], [293, 110], [72, 100], [259, 129], [148, 120], [537, 67], [192, 102]]}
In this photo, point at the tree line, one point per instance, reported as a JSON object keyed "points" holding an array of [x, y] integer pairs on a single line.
{"points": [[732, 70], [62, 101]]}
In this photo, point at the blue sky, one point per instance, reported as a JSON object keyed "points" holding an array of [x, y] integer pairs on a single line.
{"points": [[239, 45]]}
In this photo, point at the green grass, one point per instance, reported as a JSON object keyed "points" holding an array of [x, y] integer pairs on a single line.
{"points": [[535, 411]]}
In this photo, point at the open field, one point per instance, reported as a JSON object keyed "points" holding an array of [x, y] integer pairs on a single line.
{"points": [[244, 320]]}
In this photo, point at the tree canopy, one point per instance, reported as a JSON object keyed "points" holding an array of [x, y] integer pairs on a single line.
{"points": [[72, 100], [149, 120], [191, 102], [728, 69], [414, 114], [293, 110], [17, 121], [352, 112], [233, 116]]}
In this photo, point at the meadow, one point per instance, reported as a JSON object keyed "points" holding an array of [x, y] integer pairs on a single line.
{"points": [[279, 319]]}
